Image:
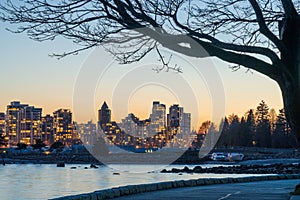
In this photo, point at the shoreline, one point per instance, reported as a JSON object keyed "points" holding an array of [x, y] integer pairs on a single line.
{"points": [[188, 157], [271, 161]]}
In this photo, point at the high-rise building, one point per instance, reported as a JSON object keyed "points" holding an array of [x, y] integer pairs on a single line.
{"points": [[134, 126], [185, 123], [23, 123], [184, 136], [157, 118], [2, 124], [179, 126], [174, 116], [31, 121], [63, 126], [87, 132], [47, 130], [104, 115], [3, 137], [13, 121]]}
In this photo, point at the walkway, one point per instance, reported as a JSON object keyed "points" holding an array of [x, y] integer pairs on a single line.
{"points": [[267, 190]]}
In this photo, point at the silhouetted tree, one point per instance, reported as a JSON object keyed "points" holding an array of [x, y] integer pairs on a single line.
{"points": [[272, 118], [38, 144], [21, 146], [283, 136], [246, 134], [250, 126], [233, 130], [204, 127], [280, 136], [262, 112], [263, 132], [260, 35], [224, 137], [57, 145]]}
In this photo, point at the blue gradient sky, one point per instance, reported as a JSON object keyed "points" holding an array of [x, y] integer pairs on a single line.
{"points": [[29, 75]]}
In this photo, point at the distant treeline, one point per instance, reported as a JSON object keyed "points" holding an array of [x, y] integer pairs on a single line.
{"points": [[260, 127]]}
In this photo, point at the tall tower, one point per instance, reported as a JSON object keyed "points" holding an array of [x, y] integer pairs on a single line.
{"points": [[13, 121], [157, 118], [47, 130], [63, 126], [31, 121], [2, 124], [23, 123], [104, 115], [174, 116]]}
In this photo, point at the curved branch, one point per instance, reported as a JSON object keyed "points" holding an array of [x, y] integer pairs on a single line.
{"points": [[173, 42], [234, 47], [289, 8], [242, 59], [264, 28]]}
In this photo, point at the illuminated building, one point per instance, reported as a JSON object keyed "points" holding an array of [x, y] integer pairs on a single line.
{"points": [[137, 135], [157, 118], [31, 120], [179, 126], [184, 130], [2, 124], [23, 123], [47, 130], [173, 116], [3, 136], [104, 114], [63, 126], [135, 127], [13, 120], [87, 132]]}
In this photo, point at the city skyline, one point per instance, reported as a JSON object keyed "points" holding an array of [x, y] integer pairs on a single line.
{"points": [[26, 124], [26, 104], [143, 116], [158, 131]]}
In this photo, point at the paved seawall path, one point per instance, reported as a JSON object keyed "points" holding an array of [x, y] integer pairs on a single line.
{"points": [[272, 187]]}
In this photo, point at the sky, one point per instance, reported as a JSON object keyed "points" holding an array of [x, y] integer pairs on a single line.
{"points": [[207, 87]]}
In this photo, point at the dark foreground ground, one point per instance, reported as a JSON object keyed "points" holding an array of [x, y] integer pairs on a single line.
{"points": [[268, 190]]}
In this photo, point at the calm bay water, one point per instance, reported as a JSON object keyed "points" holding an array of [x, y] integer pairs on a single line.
{"points": [[30, 181]]}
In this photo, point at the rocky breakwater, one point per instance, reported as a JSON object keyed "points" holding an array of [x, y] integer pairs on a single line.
{"points": [[241, 169]]}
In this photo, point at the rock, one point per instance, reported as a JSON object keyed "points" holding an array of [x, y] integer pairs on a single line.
{"points": [[94, 166], [297, 190], [174, 170]]}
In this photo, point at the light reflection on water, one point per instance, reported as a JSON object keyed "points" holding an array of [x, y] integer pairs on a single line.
{"points": [[30, 181]]}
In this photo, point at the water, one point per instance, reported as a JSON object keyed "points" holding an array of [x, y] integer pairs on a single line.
{"points": [[29, 181]]}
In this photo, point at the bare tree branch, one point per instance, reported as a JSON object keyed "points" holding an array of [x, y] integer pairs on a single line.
{"points": [[263, 27], [166, 65], [289, 9]]}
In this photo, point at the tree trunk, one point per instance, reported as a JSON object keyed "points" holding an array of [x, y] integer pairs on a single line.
{"points": [[290, 82], [291, 99]]}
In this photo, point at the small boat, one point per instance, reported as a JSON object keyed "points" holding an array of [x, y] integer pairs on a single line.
{"points": [[218, 156], [235, 156]]}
